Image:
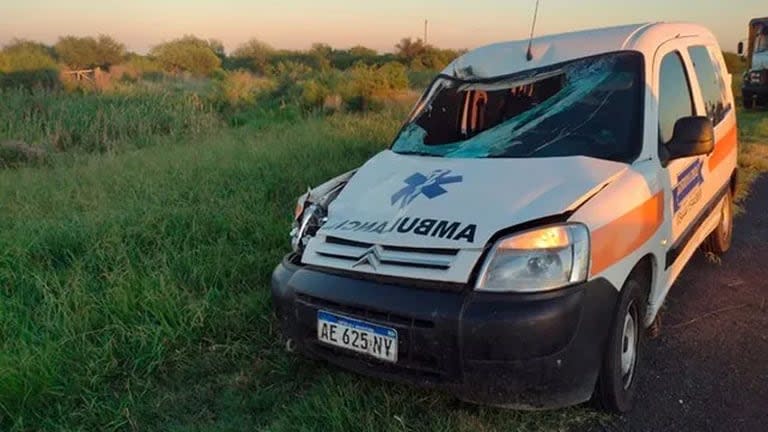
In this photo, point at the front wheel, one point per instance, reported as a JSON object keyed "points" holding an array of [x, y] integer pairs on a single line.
{"points": [[720, 240], [748, 101], [616, 387]]}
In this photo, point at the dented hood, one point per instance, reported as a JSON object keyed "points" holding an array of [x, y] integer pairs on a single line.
{"points": [[432, 202]]}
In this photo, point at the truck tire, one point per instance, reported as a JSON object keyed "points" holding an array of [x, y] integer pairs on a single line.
{"points": [[720, 240], [615, 391], [748, 101]]}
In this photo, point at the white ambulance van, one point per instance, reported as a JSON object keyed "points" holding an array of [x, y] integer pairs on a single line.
{"points": [[526, 224]]}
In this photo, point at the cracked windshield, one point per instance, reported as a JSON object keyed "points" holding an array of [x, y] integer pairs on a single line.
{"points": [[588, 107]]}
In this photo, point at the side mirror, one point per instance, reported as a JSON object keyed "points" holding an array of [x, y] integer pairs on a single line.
{"points": [[693, 136], [740, 48]]}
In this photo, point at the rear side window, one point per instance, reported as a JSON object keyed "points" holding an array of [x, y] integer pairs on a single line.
{"points": [[713, 89], [675, 100]]}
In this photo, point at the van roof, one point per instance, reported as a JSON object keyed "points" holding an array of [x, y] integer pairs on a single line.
{"points": [[506, 58]]}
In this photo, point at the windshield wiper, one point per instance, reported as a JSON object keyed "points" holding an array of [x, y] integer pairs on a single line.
{"points": [[416, 153]]}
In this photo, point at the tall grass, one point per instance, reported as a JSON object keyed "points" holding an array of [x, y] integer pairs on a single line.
{"points": [[134, 285], [96, 122], [134, 293]]}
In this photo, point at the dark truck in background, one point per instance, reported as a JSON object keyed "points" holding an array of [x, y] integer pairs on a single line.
{"points": [[755, 86]]}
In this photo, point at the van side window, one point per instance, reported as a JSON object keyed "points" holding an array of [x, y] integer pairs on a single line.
{"points": [[675, 101], [713, 88]]}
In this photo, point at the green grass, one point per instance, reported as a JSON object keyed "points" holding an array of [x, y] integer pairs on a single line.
{"points": [[92, 122], [134, 271], [135, 293], [753, 155]]}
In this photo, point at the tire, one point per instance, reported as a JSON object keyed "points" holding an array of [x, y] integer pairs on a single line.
{"points": [[720, 240], [616, 385], [748, 101]]}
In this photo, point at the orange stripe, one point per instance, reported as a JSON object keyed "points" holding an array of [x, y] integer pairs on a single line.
{"points": [[723, 148], [619, 238]]}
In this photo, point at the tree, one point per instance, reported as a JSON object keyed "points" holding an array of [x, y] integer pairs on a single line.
{"points": [[344, 59], [24, 55], [370, 82], [409, 50], [188, 54], [254, 55], [88, 52], [320, 56], [218, 48], [362, 52], [27, 64]]}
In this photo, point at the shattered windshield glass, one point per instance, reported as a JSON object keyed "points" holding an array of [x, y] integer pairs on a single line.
{"points": [[591, 107]]}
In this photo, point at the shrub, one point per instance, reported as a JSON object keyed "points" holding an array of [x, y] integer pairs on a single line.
{"points": [[369, 83], [139, 66], [314, 94], [22, 56], [188, 54], [88, 52], [27, 64], [290, 77], [420, 56], [420, 80], [39, 78], [254, 55], [239, 88]]}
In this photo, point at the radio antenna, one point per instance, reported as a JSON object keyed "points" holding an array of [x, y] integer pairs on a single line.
{"points": [[529, 54]]}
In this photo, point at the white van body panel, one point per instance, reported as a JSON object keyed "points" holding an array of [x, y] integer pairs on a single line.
{"points": [[488, 196]]}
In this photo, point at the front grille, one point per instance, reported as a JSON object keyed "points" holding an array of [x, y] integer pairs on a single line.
{"points": [[358, 252]]}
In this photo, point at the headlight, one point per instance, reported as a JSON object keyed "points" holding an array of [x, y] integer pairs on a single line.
{"points": [[305, 226], [538, 260]]}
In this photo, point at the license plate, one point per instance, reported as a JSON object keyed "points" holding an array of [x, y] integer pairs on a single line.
{"points": [[355, 335]]}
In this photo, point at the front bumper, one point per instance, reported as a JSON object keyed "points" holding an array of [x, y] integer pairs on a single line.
{"points": [[519, 350]]}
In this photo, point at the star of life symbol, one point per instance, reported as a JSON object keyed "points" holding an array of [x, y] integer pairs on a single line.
{"points": [[430, 186]]}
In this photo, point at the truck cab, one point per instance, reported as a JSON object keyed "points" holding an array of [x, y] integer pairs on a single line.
{"points": [[755, 86], [527, 222]]}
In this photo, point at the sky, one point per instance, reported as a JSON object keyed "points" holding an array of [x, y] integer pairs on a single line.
{"points": [[296, 24]]}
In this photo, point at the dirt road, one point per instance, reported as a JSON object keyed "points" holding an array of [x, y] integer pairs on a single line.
{"points": [[708, 371]]}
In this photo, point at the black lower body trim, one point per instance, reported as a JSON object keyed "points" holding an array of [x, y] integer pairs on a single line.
{"points": [[674, 252]]}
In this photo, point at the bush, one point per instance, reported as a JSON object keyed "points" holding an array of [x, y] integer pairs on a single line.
{"points": [[24, 55], [88, 52], [253, 55], [420, 56], [290, 77], [27, 64], [369, 83], [314, 94], [39, 78], [420, 80], [139, 66], [239, 88], [188, 54]]}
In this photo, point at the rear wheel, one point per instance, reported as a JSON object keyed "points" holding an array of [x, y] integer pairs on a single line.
{"points": [[615, 390], [720, 240]]}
